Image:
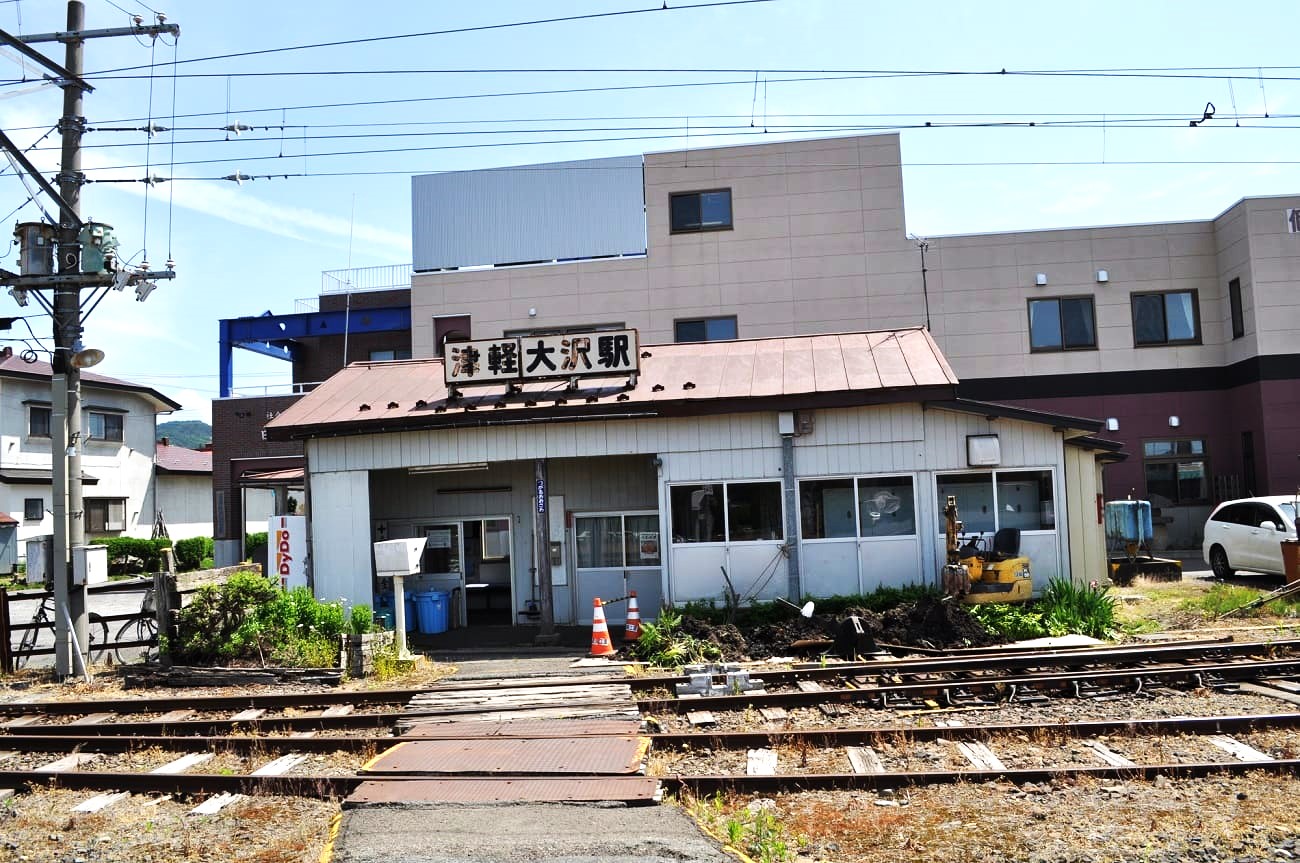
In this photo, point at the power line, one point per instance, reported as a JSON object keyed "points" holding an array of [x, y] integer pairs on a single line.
{"points": [[458, 30]]}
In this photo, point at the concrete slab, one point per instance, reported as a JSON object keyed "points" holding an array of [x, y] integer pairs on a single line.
{"points": [[511, 834]]}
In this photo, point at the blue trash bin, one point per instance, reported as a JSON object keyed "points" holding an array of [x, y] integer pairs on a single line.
{"points": [[431, 606]]}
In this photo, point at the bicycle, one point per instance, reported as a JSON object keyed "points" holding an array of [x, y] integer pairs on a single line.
{"points": [[97, 629], [137, 629]]}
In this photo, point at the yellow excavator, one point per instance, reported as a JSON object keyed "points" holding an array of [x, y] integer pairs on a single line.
{"points": [[976, 574]]}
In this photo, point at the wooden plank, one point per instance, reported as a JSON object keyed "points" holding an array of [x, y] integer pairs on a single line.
{"points": [[832, 709], [280, 766], [773, 714], [700, 717], [809, 686], [68, 762], [302, 734], [213, 805], [180, 765], [248, 715], [92, 719], [29, 719], [175, 715], [864, 759], [1237, 749], [760, 762], [338, 710], [1269, 691], [980, 756], [101, 801], [1105, 753]]}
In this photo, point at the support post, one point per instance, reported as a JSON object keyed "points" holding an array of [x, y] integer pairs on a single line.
{"points": [[791, 488], [542, 538], [162, 609], [6, 647]]}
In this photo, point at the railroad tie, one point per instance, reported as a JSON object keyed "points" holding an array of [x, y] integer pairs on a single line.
{"points": [[278, 767], [93, 719], [1110, 756], [68, 763], [980, 755], [864, 759], [248, 715], [760, 762], [176, 715], [1237, 749]]}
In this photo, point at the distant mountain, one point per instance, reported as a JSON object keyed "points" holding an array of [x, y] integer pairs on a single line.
{"points": [[191, 434]]}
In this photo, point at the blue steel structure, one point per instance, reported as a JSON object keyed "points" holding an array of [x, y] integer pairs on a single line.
{"points": [[278, 335]]}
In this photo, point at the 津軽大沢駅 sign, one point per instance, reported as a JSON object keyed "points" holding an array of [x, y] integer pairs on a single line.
{"points": [[570, 355]]}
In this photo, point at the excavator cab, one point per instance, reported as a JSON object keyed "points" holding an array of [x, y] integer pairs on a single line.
{"points": [[980, 573]]}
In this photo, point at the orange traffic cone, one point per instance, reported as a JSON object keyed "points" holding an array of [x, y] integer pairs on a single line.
{"points": [[632, 629], [600, 645]]}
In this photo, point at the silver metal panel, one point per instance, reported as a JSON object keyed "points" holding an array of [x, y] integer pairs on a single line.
{"points": [[547, 212]]}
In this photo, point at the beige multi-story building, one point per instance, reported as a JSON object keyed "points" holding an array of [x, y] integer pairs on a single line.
{"points": [[1181, 336]]}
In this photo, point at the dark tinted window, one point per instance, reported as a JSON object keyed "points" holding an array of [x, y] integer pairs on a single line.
{"points": [[700, 211], [1232, 514], [705, 329], [1061, 324], [1149, 319], [1165, 319], [1234, 302]]}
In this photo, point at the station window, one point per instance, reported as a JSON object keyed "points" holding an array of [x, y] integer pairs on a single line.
{"points": [[387, 355], [105, 514], [33, 509], [705, 329], [733, 512], [1170, 318], [617, 541], [885, 506], [105, 426], [38, 421], [1234, 306], [1062, 324], [991, 500], [1177, 472], [700, 211]]}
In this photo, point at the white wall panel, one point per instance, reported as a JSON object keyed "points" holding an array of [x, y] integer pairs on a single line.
{"points": [[547, 212], [340, 536]]}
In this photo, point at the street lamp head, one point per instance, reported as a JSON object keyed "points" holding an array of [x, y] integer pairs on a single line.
{"points": [[84, 359]]}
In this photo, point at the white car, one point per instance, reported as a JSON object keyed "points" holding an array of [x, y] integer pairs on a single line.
{"points": [[1247, 534]]}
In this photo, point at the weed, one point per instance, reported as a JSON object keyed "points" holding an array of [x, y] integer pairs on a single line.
{"points": [[1065, 608], [663, 644]]}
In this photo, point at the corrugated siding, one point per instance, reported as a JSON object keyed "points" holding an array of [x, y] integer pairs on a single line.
{"points": [[529, 213]]}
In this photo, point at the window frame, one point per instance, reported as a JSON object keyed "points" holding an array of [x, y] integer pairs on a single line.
{"points": [[108, 503], [121, 426], [1236, 310], [856, 481], [726, 514], [701, 229], [677, 322], [27, 508], [1029, 312], [622, 515], [1174, 459], [48, 411], [1197, 337], [992, 473]]}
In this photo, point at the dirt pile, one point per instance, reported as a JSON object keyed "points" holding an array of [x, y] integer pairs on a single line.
{"points": [[932, 622]]}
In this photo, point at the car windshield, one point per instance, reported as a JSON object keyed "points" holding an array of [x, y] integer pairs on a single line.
{"points": [[1288, 510]]}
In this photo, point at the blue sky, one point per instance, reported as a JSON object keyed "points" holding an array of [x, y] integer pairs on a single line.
{"points": [[241, 249]]}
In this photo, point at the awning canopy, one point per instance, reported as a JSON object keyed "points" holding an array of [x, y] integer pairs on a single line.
{"points": [[37, 476]]}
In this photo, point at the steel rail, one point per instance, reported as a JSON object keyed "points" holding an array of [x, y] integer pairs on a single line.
{"points": [[999, 685], [317, 787], [711, 783], [213, 703], [209, 727], [832, 737], [241, 745]]}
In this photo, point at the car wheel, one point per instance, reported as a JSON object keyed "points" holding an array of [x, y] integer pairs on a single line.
{"points": [[1219, 563]]}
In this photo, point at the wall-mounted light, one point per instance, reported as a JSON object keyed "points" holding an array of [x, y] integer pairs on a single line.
{"points": [[983, 450], [1174, 422], [1103, 276], [1040, 279], [1112, 424]]}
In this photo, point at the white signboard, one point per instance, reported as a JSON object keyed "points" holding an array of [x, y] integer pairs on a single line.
{"points": [[438, 538], [286, 549], [613, 352]]}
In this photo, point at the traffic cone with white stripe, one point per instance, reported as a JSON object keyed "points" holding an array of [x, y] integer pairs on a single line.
{"points": [[632, 629], [600, 645]]}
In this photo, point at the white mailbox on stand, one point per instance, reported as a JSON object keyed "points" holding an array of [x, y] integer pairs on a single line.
{"points": [[89, 564], [396, 559]]}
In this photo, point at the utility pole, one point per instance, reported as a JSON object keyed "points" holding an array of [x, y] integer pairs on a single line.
{"points": [[73, 276]]}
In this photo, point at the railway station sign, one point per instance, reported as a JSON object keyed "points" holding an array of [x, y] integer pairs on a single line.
{"points": [[571, 355]]}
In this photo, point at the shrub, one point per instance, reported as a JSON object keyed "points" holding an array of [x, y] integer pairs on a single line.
{"points": [[128, 554], [361, 620], [1077, 608], [250, 617], [663, 644], [190, 553]]}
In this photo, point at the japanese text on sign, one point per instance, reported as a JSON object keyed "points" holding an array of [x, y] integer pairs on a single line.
{"points": [[536, 357]]}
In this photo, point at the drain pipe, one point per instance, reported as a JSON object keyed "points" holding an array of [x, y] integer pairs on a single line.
{"points": [[785, 426]]}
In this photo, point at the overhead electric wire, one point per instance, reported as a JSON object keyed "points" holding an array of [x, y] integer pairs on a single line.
{"points": [[459, 30]]}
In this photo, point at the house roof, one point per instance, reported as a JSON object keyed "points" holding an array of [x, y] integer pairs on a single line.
{"points": [[7, 519], [835, 370], [177, 459], [14, 366]]}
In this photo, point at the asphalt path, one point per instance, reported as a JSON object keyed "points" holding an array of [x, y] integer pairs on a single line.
{"points": [[117, 601]]}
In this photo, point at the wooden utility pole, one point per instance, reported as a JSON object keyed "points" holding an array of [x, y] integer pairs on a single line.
{"points": [[542, 540]]}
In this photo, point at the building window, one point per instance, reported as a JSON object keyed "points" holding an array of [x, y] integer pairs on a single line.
{"points": [[700, 211], [617, 541], [727, 512], [34, 509], [105, 426], [1171, 318], [386, 356], [885, 506], [705, 329], [105, 514], [1234, 303], [1062, 324], [38, 421], [987, 502], [1177, 472]]}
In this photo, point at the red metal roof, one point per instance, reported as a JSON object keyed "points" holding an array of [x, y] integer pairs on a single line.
{"points": [[702, 377], [14, 365], [177, 459]]}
